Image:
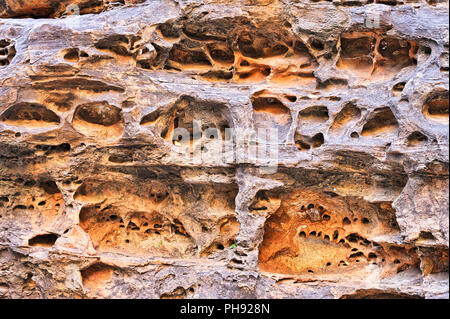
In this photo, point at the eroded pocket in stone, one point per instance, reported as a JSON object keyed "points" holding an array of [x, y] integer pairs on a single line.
{"points": [[191, 122], [314, 113], [373, 56], [170, 219], [7, 52], [96, 275], [44, 240], [269, 112], [349, 113], [99, 119]]}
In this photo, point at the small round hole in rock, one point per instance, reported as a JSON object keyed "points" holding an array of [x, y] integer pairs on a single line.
{"points": [[72, 55], [427, 50], [354, 135]]}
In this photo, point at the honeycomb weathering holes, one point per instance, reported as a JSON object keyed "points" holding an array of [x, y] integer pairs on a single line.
{"points": [[181, 58], [134, 220], [315, 233], [7, 52], [269, 105], [381, 121], [117, 226], [50, 187], [372, 56], [158, 219], [262, 203], [44, 240], [379, 294], [242, 54], [111, 229], [184, 112]]}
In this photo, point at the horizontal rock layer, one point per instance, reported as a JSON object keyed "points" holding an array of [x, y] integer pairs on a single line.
{"points": [[97, 200]]}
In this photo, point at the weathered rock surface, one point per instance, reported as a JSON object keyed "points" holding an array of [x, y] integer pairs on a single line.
{"points": [[97, 201]]}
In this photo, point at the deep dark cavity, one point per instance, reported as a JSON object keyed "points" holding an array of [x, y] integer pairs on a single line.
{"points": [[45, 240]]}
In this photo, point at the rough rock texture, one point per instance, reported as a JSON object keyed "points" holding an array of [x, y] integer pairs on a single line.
{"points": [[96, 200]]}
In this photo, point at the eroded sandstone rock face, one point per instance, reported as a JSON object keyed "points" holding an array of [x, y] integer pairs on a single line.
{"points": [[98, 200]]}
